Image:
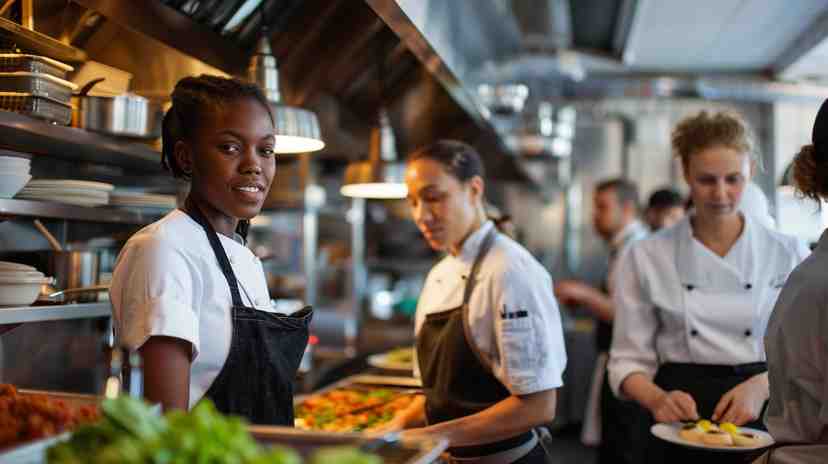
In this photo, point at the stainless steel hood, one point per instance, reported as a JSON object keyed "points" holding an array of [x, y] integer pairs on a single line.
{"points": [[329, 53]]}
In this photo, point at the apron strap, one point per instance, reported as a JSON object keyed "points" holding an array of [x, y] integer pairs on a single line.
{"points": [[488, 241], [484, 250], [218, 250]]}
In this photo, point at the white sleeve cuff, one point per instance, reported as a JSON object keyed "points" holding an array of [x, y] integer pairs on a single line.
{"points": [[165, 317], [618, 371]]}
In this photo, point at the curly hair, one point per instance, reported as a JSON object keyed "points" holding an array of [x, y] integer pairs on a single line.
{"points": [[705, 130], [191, 99]]}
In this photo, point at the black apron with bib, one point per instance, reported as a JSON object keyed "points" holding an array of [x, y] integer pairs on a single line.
{"points": [[256, 381], [456, 381], [706, 383]]}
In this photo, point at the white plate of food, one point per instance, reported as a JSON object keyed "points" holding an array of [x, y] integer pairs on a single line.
{"points": [[399, 359], [707, 435]]}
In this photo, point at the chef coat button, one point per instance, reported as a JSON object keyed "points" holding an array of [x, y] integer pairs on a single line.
{"points": [[748, 286], [694, 332], [689, 288], [748, 333]]}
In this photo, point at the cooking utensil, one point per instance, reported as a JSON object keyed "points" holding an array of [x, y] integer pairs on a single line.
{"points": [[75, 269], [36, 106], [49, 237], [37, 84], [92, 288], [122, 115], [20, 62]]}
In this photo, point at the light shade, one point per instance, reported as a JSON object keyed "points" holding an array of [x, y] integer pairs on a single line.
{"points": [[297, 130], [381, 176]]}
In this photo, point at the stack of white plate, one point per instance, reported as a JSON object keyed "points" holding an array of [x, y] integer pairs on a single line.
{"points": [[20, 284], [142, 200], [14, 173], [72, 192]]}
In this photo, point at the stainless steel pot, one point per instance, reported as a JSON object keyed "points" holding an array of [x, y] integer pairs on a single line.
{"points": [[122, 115], [75, 269]]}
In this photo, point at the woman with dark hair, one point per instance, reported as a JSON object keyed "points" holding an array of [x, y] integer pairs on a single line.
{"points": [[186, 292], [797, 338], [490, 346]]}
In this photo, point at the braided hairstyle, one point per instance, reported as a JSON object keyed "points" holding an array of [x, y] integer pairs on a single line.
{"points": [[191, 99]]}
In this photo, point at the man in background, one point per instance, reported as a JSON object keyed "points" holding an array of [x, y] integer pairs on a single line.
{"points": [[615, 218], [665, 208]]}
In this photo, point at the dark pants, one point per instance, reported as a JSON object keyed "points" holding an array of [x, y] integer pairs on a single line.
{"points": [[536, 456], [621, 429]]}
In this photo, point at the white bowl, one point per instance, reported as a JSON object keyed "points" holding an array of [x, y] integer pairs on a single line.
{"points": [[10, 184], [14, 171], [10, 266], [14, 159], [19, 294]]}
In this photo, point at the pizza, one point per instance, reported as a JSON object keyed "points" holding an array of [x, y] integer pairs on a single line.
{"points": [[350, 409]]}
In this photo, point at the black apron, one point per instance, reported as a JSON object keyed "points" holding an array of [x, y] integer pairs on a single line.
{"points": [[457, 382], [706, 383], [256, 381]]}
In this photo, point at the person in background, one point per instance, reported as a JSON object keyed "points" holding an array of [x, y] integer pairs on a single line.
{"points": [[755, 203], [615, 218], [664, 208], [490, 348], [186, 291], [693, 301], [796, 341]]}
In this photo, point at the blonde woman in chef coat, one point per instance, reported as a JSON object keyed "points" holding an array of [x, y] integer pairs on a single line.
{"points": [[797, 337], [693, 300]]}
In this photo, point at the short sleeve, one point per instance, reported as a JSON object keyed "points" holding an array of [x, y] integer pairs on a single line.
{"points": [[152, 294], [634, 328], [528, 334]]}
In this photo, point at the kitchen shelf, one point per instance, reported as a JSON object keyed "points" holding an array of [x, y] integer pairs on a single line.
{"points": [[29, 135], [21, 314], [45, 209]]}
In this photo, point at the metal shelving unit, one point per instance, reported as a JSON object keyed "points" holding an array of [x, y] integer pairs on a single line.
{"points": [[21, 314], [29, 135], [45, 209]]}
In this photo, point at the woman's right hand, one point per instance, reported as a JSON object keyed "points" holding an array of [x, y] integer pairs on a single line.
{"points": [[674, 406]]}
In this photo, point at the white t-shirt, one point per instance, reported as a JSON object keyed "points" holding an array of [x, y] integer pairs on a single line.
{"points": [[167, 282], [527, 353], [659, 321]]}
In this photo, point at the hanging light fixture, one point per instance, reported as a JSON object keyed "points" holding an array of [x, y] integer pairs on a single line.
{"points": [[381, 176], [297, 129]]}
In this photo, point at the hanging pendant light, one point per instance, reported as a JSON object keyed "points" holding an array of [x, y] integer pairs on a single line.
{"points": [[381, 176], [297, 129]]}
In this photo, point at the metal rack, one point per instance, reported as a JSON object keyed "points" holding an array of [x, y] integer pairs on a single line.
{"points": [[45, 209], [29, 135], [21, 314]]}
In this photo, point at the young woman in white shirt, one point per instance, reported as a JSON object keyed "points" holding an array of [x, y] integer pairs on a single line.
{"points": [[797, 336], [692, 302], [489, 339], [186, 292]]}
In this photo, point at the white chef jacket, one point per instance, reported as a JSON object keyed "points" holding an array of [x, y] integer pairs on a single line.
{"points": [[797, 346], [167, 282], [526, 354], [677, 301]]}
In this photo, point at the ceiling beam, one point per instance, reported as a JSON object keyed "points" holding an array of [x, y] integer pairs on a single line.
{"points": [[176, 30], [624, 28], [812, 37]]}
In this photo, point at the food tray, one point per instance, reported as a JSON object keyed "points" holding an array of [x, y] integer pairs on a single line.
{"points": [[19, 62], [38, 107], [35, 452], [391, 451], [37, 84]]}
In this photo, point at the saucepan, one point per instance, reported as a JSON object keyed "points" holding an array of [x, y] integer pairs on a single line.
{"points": [[127, 114]]}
